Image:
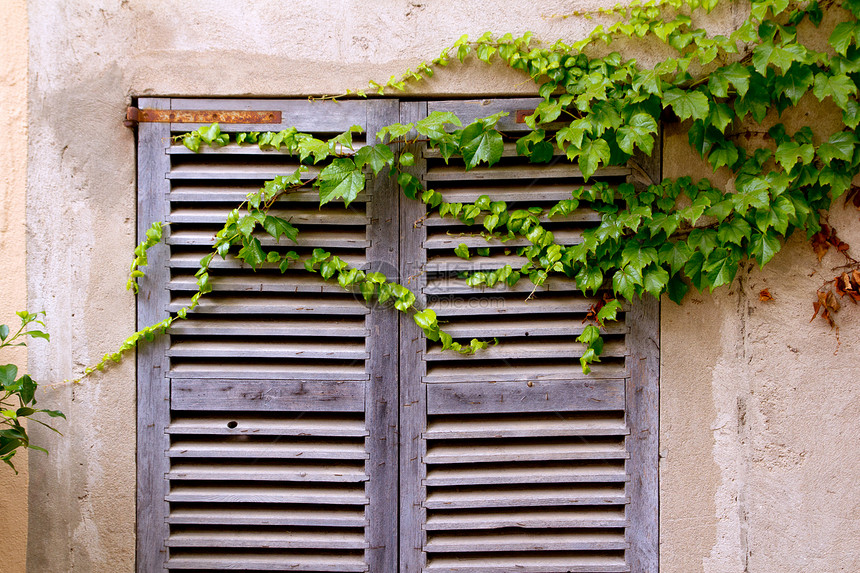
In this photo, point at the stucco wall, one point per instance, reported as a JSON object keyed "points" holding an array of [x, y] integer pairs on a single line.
{"points": [[13, 284], [758, 415]]}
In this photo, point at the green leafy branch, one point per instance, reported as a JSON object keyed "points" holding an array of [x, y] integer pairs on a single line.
{"points": [[18, 394]]}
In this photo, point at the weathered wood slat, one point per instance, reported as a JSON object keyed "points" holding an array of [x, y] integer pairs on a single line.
{"points": [[541, 396], [550, 303], [319, 516], [510, 192], [282, 327], [269, 561], [236, 193], [455, 286], [253, 395], [383, 365], [235, 149], [153, 408], [412, 398], [445, 263], [268, 539], [556, 517], [530, 172], [576, 216], [526, 497], [265, 493], [240, 424], [246, 170], [452, 240], [545, 541], [537, 451], [333, 239], [525, 426], [269, 349], [543, 348], [333, 472], [279, 372], [304, 283], [526, 473], [192, 261], [445, 373], [190, 448], [272, 305], [525, 327], [334, 217], [547, 563]]}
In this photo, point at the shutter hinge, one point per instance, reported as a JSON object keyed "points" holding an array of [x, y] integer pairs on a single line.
{"points": [[522, 113], [133, 116]]}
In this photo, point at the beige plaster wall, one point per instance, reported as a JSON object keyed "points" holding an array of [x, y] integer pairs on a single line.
{"points": [[13, 284], [758, 415]]}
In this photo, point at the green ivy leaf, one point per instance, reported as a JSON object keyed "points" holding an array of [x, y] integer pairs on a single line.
{"points": [[480, 144], [735, 74], [839, 146], [777, 216], [687, 104], [462, 251], [375, 156], [278, 228], [839, 87], [252, 252], [702, 240], [589, 278], [394, 131], [721, 266], [637, 256], [795, 82], [637, 133], [721, 116], [842, 37], [593, 153], [764, 246], [734, 230], [675, 255], [625, 281], [341, 178], [789, 153], [433, 126], [656, 278], [677, 289]]}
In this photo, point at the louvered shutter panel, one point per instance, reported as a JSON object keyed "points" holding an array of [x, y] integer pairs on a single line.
{"points": [[512, 459], [267, 421]]}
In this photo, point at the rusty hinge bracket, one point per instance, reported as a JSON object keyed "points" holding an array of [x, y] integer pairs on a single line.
{"points": [[134, 116], [522, 113]]}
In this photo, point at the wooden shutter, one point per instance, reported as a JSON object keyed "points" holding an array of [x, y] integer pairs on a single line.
{"points": [[267, 426], [269, 422], [512, 459]]}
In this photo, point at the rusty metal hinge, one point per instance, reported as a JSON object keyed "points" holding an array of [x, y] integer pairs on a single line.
{"points": [[522, 113], [134, 116]]}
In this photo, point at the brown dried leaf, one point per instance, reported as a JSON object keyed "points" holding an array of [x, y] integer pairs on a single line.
{"points": [[765, 296], [832, 302], [820, 244]]}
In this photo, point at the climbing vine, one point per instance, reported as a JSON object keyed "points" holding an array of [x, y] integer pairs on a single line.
{"points": [[598, 111]]}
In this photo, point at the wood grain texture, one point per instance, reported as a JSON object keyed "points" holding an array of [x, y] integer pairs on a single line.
{"points": [[267, 395], [643, 408], [383, 364], [153, 410], [412, 369], [540, 396]]}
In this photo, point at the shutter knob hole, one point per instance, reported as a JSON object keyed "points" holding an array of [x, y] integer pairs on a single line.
{"points": [[232, 424]]}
